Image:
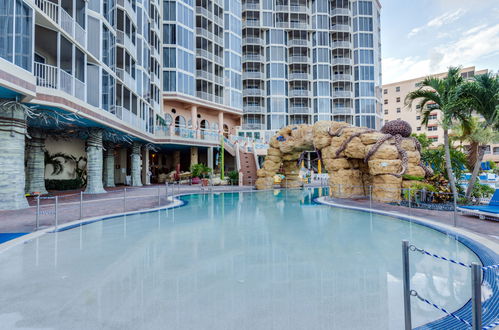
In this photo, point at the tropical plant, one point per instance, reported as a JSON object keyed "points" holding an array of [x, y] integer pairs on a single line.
{"points": [[483, 96], [233, 177], [442, 94], [436, 158], [423, 140], [200, 170], [482, 190]]}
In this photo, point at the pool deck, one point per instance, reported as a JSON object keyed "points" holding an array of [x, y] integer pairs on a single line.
{"points": [[143, 198]]}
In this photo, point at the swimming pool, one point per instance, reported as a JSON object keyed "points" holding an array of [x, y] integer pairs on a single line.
{"points": [[254, 260]]}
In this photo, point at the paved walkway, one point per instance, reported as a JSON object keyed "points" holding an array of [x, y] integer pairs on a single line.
{"points": [[116, 200]]}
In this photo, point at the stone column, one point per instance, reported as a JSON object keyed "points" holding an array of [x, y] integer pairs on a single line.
{"points": [[136, 179], [145, 166], [194, 155], [194, 117], [221, 122], [94, 162], [109, 166], [12, 174], [35, 163], [210, 157]]}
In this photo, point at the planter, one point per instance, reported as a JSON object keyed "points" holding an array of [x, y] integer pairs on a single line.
{"points": [[196, 180], [204, 182]]}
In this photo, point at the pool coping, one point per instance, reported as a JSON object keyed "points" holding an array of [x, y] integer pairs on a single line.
{"points": [[483, 248]]}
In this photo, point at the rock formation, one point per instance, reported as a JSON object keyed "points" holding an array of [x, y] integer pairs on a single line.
{"points": [[354, 157]]}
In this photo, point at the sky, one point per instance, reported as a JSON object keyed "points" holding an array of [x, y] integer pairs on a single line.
{"points": [[421, 37]]}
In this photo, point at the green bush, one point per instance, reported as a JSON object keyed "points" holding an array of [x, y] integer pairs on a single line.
{"points": [[233, 177], [200, 171], [412, 177], [68, 184], [482, 190]]}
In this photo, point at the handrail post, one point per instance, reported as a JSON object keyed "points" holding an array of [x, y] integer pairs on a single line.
{"points": [[371, 197], [56, 209], [476, 295], [407, 285], [81, 205], [159, 196], [37, 223], [124, 200], [455, 212]]}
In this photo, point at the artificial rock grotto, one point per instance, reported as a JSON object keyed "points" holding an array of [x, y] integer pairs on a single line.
{"points": [[355, 158]]}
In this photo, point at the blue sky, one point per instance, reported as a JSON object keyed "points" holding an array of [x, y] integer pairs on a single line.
{"points": [[420, 37]]}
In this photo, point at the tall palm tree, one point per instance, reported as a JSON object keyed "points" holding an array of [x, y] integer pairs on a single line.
{"points": [[442, 94], [483, 96]]}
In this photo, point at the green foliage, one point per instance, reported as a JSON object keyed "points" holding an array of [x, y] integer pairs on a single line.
{"points": [[412, 177], [492, 165], [200, 171], [69, 184], [233, 177], [423, 140], [482, 190], [436, 159]]}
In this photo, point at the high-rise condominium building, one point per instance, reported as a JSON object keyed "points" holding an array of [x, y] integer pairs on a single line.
{"points": [[310, 60], [394, 107]]}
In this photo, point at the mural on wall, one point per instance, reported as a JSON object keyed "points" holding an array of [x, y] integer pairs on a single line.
{"points": [[66, 166]]}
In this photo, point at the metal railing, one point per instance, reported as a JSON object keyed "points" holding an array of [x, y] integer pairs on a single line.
{"points": [[49, 8]]}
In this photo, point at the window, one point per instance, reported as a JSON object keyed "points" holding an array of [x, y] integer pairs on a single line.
{"points": [[433, 139], [385, 91], [418, 117], [386, 111], [496, 150], [398, 110], [432, 117], [418, 128], [398, 99], [432, 128], [487, 150], [397, 89], [418, 107], [386, 102]]}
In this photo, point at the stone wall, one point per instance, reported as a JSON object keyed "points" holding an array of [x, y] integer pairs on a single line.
{"points": [[344, 151]]}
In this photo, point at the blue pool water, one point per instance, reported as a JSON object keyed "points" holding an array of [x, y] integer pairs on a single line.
{"points": [[265, 260]]}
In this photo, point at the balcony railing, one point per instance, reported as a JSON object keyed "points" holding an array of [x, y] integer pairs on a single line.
{"points": [[342, 27], [341, 61], [298, 42], [299, 25], [298, 9], [341, 12], [253, 58], [299, 59], [126, 78], [124, 39], [49, 8], [203, 11], [218, 60], [282, 8], [342, 111], [253, 41], [253, 92], [50, 76], [218, 79], [253, 75], [129, 117], [253, 109], [254, 126], [299, 93], [204, 74], [251, 22], [204, 33], [342, 77], [341, 44], [342, 94], [204, 95], [251, 6], [300, 110], [299, 76], [204, 53]]}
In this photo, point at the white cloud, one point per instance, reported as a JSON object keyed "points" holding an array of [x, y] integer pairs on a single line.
{"points": [[476, 43], [445, 18]]}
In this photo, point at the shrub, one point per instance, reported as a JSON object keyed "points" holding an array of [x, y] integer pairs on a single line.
{"points": [[233, 177], [482, 190], [200, 171]]}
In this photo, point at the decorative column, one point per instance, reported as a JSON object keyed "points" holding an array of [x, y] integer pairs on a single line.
{"points": [[194, 155], [194, 120], [210, 157], [145, 166], [94, 162], [12, 174], [109, 166], [176, 158], [35, 163], [136, 179], [221, 122]]}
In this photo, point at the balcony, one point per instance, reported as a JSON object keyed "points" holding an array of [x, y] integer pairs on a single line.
{"points": [[299, 59], [341, 61], [299, 43], [218, 60], [50, 76], [253, 58], [253, 75], [341, 27], [299, 93], [204, 95], [253, 41], [341, 44], [299, 76], [218, 20], [299, 9], [300, 110], [218, 40], [61, 17], [342, 111], [218, 80], [259, 92], [281, 8], [299, 25], [123, 39], [204, 53], [204, 33], [341, 12], [251, 22], [257, 109], [251, 6], [204, 75], [126, 78], [343, 94], [203, 11], [255, 126], [342, 77]]}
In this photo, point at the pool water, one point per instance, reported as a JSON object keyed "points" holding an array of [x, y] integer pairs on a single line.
{"points": [[254, 260]]}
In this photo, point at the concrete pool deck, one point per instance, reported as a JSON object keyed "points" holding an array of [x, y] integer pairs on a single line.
{"points": [[143, 198]]}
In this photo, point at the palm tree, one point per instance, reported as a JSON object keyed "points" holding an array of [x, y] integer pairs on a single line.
{"points": [[442, 94], [483, 96]]}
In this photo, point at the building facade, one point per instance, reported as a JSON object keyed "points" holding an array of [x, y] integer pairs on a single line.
{"points": [[117, 86], [308, 60], [394, 107]]}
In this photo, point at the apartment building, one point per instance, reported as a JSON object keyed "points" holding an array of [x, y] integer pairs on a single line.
{"points": [[305, 61], [91, 80], [394, 95]]}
